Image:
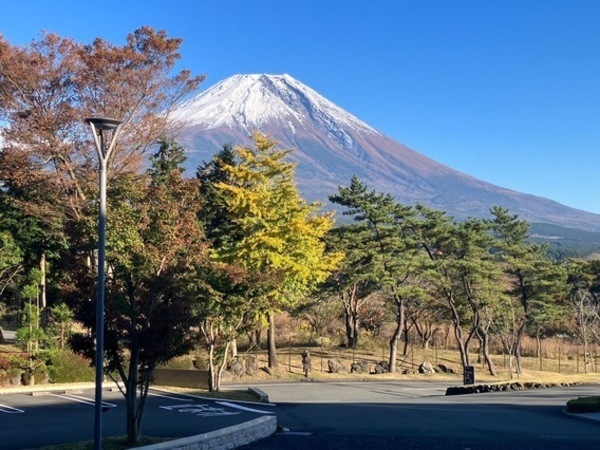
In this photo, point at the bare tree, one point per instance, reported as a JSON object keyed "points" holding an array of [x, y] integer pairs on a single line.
{"points": [[584, 300]]}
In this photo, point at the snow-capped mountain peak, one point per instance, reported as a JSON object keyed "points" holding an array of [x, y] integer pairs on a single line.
{"points": [[252, 100]]}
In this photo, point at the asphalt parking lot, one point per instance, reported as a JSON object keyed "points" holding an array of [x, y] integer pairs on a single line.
{"points": [[35, 419], [316, 415]]}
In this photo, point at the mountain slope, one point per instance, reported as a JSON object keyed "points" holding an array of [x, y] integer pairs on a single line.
{"points": [[332, 145]]}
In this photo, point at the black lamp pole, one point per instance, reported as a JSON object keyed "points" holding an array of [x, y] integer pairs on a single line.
{"points": [[101, 126]]}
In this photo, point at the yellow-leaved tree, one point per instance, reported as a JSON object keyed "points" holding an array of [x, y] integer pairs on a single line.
{"points": [[278, 235]]}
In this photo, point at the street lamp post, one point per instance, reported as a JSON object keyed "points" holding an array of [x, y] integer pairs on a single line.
{"points": [[101, 127]]}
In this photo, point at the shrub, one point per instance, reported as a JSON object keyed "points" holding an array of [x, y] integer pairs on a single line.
{"points": [[67, 367], [14, 372], [181, 363], [369, 343], [323, 341], [584, 405], [18, 360], [4, 364], [200, 361], [11, 368]]}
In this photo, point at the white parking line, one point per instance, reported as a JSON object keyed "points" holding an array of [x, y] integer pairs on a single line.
{"points": [[238, 401], [84, 400], [244, 408], [10, 410], [169, 397]]}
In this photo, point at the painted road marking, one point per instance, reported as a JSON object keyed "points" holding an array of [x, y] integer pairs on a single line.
{"points": [[84, 400], [244, 408], [201, 410], [10, 410], [179, 399], [239, 401]]}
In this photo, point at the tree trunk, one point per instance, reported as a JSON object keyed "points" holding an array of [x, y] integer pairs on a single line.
{"points": [[355, 328], [427, 342], [520, 334], [467, 343], [351, 329], [406, 338], [222, 366], [508, 344], [258, 337], [399, 303], [215, 367], [272, 349], [234, 348], [458, 334], [538, 349], [394, 348], [425, 331], [447, 336], [464, 355], [476, 329], [485, 349], [43, 301], [212, 382], [132, 424], [585, 355], [253, 339], [141, 404]]}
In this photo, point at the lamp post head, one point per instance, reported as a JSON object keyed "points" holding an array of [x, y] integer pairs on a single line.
{"points": [[104, 123], [99, 126]]}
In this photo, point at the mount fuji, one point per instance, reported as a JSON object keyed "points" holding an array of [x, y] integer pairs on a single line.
{"points": [[331, 145]]}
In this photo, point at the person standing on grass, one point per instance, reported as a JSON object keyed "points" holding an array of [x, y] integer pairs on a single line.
{"points": [[306, 362]]}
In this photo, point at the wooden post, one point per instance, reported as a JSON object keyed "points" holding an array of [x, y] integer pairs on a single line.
{"points": [[558, 359]]}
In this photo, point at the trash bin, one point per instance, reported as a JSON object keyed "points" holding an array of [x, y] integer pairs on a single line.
{"points": [[468, 375]]}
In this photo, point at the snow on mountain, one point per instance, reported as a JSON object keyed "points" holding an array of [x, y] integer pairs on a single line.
{"points": [[248, 101], [332, 145]]}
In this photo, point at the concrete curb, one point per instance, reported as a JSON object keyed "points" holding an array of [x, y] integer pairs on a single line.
{"points": [[260, 393], [42, 388], [226, 438]]}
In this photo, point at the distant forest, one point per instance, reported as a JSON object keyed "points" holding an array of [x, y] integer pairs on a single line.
{"points": [[563, 243], [566, 242]]}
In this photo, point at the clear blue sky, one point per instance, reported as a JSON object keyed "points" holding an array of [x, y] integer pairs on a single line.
{"points": [[505, 90]]}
